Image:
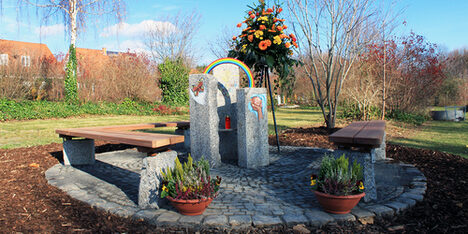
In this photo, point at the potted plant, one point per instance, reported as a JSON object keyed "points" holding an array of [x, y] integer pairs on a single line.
{"points": [[338, 187], [189, 187]]}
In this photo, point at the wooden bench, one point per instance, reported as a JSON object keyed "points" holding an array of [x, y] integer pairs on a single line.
{"points": [[367, 134], [363, 141], [81, 151]]}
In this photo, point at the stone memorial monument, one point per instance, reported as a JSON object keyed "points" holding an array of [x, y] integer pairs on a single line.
{"points": [[252, 127], [212, 98], [204, 120]]}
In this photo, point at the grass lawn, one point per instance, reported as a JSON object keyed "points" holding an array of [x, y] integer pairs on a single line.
{"points": [[446, 136], [39, 132], [451, 137]]}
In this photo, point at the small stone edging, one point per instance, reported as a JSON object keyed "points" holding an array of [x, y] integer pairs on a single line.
{"points": [[274, 195]]}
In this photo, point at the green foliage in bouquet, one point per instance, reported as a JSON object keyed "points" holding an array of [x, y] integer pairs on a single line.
{"points": [[189, 181], [336, 177]]}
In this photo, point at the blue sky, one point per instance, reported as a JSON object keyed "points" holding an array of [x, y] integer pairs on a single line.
{"points": [[444, 22]]}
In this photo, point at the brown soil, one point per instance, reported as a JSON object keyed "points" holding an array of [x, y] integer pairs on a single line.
{"points": [[29, 204]]}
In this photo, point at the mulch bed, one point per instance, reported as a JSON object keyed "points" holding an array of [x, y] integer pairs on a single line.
{"points": [[29, 204]]}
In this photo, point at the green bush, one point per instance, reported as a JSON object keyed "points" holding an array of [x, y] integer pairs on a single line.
{"points": [[24, 110], [174, 81], [352, 111], [401, 116]]}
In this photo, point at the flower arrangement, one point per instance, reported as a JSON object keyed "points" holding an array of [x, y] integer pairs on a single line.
{"points": [[189, 181], [264, 40], [336, 177]]}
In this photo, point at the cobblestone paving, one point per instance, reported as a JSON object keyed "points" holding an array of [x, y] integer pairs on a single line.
{"points": [[276, 194]]}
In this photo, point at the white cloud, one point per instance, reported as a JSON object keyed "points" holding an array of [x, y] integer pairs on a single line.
{"points": [[131, 45], [50, 30], [131, 30]]}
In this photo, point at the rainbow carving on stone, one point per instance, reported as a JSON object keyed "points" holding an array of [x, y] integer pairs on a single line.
{"points": [[235, 62]]}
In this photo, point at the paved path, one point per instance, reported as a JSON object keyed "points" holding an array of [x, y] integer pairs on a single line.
{"points": [[276, 194]]}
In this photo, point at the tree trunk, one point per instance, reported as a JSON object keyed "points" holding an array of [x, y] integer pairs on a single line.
{"points": [[384, 80], [73, 27]]}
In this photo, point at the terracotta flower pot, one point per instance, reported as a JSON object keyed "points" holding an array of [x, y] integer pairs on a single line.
{"points": [[338, 204], [190, 207]]}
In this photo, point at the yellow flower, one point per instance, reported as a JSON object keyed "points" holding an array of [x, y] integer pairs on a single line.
{"points": [[361, 186], [165, 189], [313, 182], [277, 40], [263, 18], [244, 47], [258, 33]]}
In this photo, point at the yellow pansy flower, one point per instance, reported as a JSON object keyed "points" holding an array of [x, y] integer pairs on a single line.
{"points": [[165, 189], [361, 186], [313, 182]]}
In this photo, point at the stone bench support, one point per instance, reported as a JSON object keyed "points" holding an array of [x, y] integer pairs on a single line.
{"points": [[151, 178], [78, 152], [380, 153], [367, 159]]}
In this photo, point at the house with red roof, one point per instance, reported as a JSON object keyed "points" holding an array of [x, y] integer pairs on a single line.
{"points": [[22, 53]]}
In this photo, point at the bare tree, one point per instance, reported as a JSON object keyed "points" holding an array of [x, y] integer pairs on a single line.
{"points": [[76, 13], [222, 44], [389, 23], [331, 34], [173, 38]]}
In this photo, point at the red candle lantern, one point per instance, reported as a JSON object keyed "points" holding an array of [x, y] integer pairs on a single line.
{"points": [[227, 122]]}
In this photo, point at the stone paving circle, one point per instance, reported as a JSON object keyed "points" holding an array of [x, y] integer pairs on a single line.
{"points": [[278, 194]]}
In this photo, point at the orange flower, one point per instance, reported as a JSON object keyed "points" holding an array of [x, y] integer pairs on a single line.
{"points": [[295, 44], [269, 10], [268, 42], [280, 10], [279, 28], [282, 36], [285, 27], [262, 27], [263, 45], [287, 44], [293, 37], [243, 35], [252, 16], [251, 31], [250, 12], [234, 38], [250, 37], [271, 30], [239, 25], [246, 29]]}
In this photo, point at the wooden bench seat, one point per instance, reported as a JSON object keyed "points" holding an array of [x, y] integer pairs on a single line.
{"points": [[125, 134], [360, 134]]}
